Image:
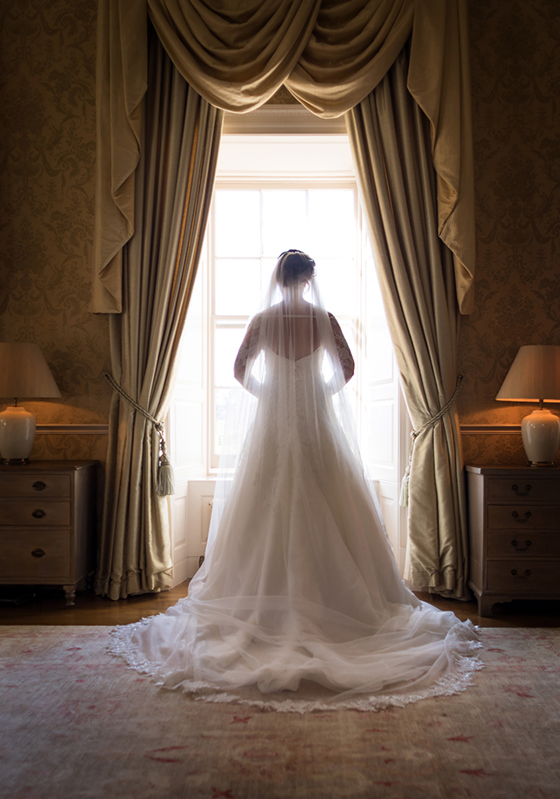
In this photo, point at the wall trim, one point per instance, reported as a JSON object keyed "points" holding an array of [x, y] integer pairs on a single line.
{"points": [[103, 429], [72, 429], [490, 429]]}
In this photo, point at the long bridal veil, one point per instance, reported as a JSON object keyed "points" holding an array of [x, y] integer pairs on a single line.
{"points": [[287, 329], [298, 604]]}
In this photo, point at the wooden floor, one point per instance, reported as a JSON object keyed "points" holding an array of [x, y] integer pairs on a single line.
{"points": [[48, 607]]}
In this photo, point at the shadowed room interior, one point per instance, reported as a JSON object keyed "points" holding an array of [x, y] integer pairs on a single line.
{"points": [[48, 170], [47, 201]]}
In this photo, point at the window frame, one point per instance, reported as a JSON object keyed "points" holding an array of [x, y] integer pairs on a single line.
{"points": [[326, 159], [263, 183]]}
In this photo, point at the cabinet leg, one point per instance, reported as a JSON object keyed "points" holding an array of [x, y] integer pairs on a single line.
{"points": [[70, 594], [485, 605]]}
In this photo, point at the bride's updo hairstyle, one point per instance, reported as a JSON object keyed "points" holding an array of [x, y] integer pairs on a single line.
{"points": [[294, 267]]}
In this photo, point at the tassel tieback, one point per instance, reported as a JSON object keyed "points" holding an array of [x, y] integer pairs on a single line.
{"points": [[165, 484], [415, 433]]}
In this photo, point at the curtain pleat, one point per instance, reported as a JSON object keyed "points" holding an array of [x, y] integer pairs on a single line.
{"points": [[329, 53], [174, 182], [156, 166], [390, 139], [352, 46], [236, 55]]}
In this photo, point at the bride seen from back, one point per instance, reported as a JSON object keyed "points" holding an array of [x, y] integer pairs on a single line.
{"points": [[299, 604]]}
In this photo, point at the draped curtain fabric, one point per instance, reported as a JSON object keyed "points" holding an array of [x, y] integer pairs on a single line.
{"points": [[389, 135], [174, 180], [331, 54]]}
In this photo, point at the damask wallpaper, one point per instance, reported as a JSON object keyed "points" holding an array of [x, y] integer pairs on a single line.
{"points": [[47, 135], [47, 161], [516, 107]]}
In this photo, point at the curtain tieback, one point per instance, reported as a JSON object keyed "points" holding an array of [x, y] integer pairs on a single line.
{"points": [[415, 433], [165, 484]]}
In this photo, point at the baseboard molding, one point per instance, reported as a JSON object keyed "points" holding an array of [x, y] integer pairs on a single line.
{"points": [[490, 429], [72, 429]]}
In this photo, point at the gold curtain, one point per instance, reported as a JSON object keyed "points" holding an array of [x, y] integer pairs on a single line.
{"points": [[390, 140], [330, 54], [173, 181]]}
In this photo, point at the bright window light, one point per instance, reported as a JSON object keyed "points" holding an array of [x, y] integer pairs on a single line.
{"points": [[249, 229]]}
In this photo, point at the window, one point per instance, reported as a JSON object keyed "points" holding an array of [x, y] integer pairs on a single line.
{"points": [[249, 227], [272, 193]]}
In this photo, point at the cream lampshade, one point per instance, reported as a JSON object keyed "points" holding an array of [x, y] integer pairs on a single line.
{"points": [[24, 372], [534, 376]]}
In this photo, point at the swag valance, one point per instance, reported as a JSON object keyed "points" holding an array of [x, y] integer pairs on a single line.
{"points": [[330, 54]]}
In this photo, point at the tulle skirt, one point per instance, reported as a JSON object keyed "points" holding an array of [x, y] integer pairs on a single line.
{"points": [[299, 604]]}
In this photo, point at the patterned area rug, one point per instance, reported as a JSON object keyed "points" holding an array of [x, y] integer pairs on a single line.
{"points": [[77, 723]]}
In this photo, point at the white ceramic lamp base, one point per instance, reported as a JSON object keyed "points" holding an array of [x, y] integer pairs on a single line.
{"points": [[541, 437], [17, 431]]}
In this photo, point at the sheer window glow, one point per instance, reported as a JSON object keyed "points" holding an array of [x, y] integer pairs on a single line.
{"points": [[249, 228], [284, 219], [238, 218]]}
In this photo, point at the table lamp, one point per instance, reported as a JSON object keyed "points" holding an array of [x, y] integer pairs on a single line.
{"points": [[534, 376], [24, 372]]}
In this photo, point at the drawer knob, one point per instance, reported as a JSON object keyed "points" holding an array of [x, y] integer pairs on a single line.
{"points": [[521, 519], [38, 553], [526, 573], [519, 491], [520, 548], [38, 485], [39, 513]]}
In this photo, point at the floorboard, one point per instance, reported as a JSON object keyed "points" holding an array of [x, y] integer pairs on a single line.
{"points": [[48, 608]]}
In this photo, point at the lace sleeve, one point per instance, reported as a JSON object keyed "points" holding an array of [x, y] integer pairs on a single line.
{"points": [[248, 351], [342, 349]]}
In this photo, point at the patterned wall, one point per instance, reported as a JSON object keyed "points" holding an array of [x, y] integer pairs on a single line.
{"points": [[47, 130], [516, 106]]}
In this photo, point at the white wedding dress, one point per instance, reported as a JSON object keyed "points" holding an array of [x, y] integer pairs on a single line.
{"points": [[299, 604]]}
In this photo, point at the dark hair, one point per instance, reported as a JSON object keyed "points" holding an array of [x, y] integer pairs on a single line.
{"points": [[294, 266]]}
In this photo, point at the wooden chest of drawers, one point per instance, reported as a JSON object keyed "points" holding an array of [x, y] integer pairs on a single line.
{"points": [[514, 529], [47, 523]]}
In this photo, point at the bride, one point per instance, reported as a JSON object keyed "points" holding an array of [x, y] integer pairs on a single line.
{"points": [[299, 604]]}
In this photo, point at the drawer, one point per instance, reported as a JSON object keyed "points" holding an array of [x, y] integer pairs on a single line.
{"points": [[34, 513], [521, 544], [522, 489], [523, 576], [35, 485], [524, 517], [35, 554]]}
